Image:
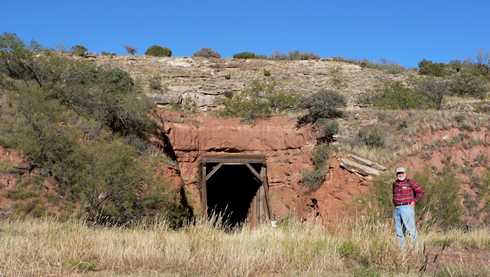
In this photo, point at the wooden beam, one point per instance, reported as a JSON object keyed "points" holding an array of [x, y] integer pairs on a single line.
{"points": [[233, 158], [254, 172], [204, 193], [367, 162], [361, 169], [215, 169], [265, 185], [258, 201]]}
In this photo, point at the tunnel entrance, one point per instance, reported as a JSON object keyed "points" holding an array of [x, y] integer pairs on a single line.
{"points": [[235, 188]]}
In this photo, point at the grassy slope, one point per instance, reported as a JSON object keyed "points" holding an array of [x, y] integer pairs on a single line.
{"points": [[359, 248]]}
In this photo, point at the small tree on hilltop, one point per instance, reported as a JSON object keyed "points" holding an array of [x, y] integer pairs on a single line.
{"points": [[245, 55], [130, 49], [158, 51], [207, 53], [79, 50]]}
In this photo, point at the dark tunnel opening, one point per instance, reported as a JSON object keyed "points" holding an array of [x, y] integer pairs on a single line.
{"points": [[230, 192]]}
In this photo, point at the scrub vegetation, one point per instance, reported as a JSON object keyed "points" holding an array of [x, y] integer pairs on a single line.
{"points": [[85, 126]]}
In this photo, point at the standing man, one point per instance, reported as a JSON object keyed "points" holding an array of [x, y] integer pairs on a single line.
{"points": [[406, 192]]}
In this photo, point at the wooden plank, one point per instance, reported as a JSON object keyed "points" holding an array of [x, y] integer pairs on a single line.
{"points": [[257, 202], [265, 185], [215, 169], [254, 172], [204, 193], [253, 212], [233, 158], [355, 167], [367, 162]]}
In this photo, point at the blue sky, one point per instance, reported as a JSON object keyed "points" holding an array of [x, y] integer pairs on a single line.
{"points": [[401, 31]]}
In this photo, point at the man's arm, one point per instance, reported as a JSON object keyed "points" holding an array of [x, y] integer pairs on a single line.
{"points": [[417, 190], [393, 193]]}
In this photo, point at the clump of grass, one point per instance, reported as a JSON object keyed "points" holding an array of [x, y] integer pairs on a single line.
{"points": [[371, 137]]}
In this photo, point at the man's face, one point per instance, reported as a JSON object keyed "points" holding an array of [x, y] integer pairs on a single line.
{"points": [[401, 176]]}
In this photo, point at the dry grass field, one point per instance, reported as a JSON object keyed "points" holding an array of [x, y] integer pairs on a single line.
{"points": [[49, 248]]}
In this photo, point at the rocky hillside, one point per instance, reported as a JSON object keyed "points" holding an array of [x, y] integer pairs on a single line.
{"points": [[306, 161], [206, 81]]}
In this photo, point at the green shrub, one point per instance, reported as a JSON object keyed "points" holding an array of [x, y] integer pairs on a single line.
{"points": [[17, 59], [110, 54], [441, 199], [323, 104], [427, 67], [383, 65], [396, 96], [158, 51], [294, 55], [371, 137], [314, 178], [207, 53], [467, 84], [320, 155], [245, 55], [86, 127], [258, 99], [298, 55], [434, 89], [327, 128], [79, 50]]}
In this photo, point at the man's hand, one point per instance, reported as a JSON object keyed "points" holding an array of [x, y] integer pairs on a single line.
{"points": [[412, 204]]}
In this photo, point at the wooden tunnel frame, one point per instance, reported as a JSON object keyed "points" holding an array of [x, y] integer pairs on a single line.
{"points": [[259, 211]]}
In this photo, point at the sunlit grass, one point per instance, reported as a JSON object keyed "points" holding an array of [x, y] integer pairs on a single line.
{"points": [[47, 247]]}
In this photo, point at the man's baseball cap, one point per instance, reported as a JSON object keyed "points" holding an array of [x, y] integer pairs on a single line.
{"points": [[401, 170]]}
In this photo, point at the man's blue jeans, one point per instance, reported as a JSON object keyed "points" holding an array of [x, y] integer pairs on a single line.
{"points": [[405, 223]]}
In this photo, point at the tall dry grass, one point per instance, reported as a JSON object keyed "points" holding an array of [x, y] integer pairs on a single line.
{"points": [[50, 248]]}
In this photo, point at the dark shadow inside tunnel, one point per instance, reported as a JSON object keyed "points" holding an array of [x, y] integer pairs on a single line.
{"points": [[230, 192]]}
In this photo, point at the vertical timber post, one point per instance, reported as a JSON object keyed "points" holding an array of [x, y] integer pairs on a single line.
{"points": [[204, 193], [265, 187]]}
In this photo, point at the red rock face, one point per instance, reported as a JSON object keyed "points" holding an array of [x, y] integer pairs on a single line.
{"points": [[286, 147], [288, 151]]}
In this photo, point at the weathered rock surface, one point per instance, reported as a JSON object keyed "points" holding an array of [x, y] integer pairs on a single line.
{"points": [[204, 81], [287, 150]]}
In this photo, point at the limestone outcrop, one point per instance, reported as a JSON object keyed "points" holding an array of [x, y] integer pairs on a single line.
{"points": [[205, 81]]}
